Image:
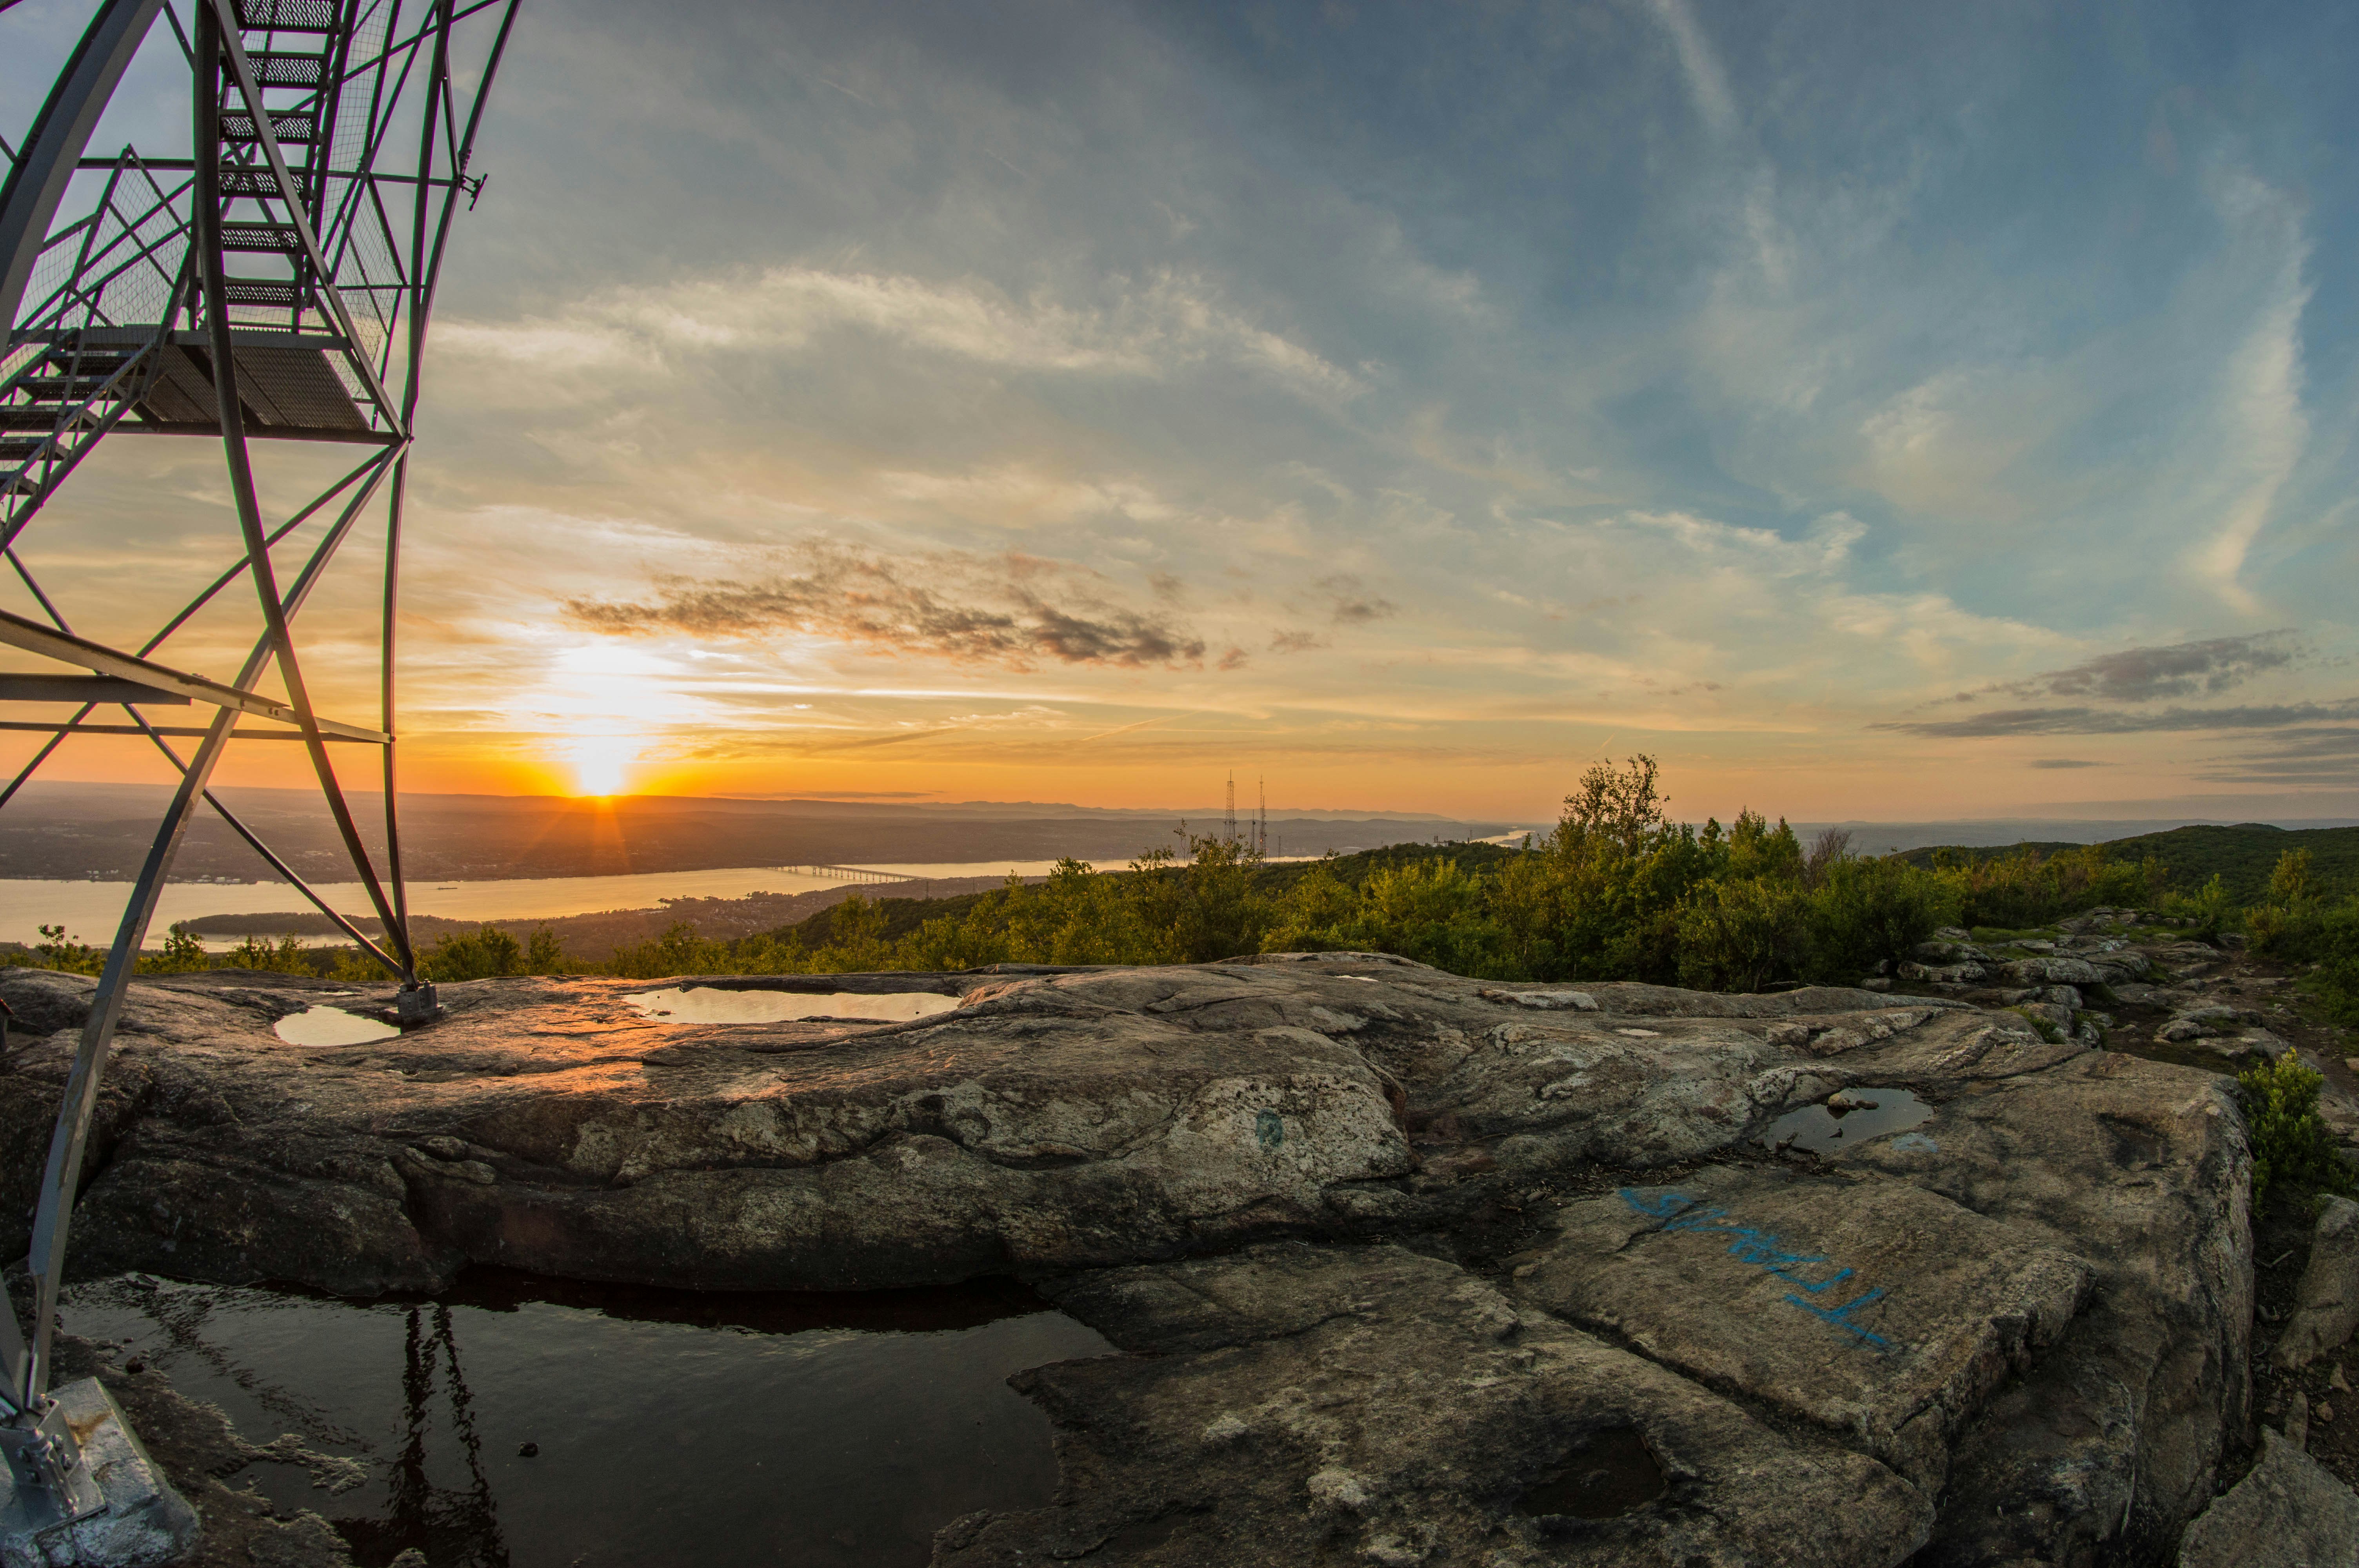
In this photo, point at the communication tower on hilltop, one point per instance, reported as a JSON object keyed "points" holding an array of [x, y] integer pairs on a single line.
{"points": [[1229, 819], [1261, 821], [269, 280]]}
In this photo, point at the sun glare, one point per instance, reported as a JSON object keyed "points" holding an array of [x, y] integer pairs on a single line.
{"points": [[602, 765]]}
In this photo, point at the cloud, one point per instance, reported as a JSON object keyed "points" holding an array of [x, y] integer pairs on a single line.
{"points": [[1825, 547], [2293, 756], [2262, 384], [2146, 675], [1707, 83], [1010, 609], [1349, 604], [2098, 721], [2064, 762], [1141, 327], [1294, 642]]}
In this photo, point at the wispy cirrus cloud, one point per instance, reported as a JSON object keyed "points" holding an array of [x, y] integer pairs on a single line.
{"points": [[1144, 327], [1010, 609]]}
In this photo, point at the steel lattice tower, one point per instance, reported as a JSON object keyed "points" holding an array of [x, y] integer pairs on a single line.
{"points": [[273, 284]]}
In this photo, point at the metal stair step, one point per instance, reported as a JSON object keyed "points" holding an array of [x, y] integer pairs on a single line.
{"points": [[89, 357], [280, 291], [273, 239], [290, 126], [280, 68], [261, 182], [30, 418], [288, 15], [56, 389]]}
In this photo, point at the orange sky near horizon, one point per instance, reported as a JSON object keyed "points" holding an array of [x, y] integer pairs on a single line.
{"points": [[823, 403]]}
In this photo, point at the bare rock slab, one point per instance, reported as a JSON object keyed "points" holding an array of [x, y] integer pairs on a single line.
{"points": [[2286, 1513], [1882, 1312], [1293, 1404], [2062, 1247]]}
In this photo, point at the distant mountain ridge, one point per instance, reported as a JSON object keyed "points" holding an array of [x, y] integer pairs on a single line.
{"points": [[2241, 855]]}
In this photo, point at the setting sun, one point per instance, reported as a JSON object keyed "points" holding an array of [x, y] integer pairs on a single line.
{"points": [[602, 764]]}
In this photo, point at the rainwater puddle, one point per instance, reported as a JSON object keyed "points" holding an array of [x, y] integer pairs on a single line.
{"points": [[1821, 1131], [720, 1429], [710, 1004], [331, 1026]]}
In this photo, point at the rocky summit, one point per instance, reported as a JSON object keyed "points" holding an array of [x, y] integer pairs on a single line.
{"points": [[1409, 1268]]}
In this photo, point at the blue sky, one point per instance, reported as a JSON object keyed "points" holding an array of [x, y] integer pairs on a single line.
{"points": [[1877, 411]]}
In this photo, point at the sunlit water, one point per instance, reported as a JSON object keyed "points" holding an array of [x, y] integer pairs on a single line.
{"points": [[91, 911], [672, 1428], [331, 1026], [715, 1004]]}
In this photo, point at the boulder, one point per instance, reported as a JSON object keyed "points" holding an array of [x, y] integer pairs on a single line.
{"points": [[2056, 1015], [2326, 1304], [2207, 1021], [2288, 1513], [1958, 974], [2055, 971]]}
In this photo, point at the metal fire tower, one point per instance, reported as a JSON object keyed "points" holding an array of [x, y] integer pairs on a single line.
{"points": [[270, 281]]}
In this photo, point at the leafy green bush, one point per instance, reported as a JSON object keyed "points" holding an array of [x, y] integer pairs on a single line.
{"points": [[2030, 887], [285, 957], [1740, 935], [492, 950], [183, 951], [2205, 913], [55, 951], [2291, 1144], [1864, 912]]}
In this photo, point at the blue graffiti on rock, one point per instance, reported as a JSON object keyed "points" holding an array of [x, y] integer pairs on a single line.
{"points": [[1759, 1248]]}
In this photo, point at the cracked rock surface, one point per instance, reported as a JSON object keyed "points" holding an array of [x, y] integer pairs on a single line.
{"points": [[1409, 1268]]}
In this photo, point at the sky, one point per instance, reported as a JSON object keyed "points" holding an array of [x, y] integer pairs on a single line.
{"points": [[1873, 412]]}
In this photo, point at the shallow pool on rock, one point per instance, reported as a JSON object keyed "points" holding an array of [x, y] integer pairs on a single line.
{"points": [[1824, 1131], [331, 1026], [671, 1427], [719, 1004]]}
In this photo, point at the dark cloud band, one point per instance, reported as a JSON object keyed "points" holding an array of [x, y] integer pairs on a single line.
{"points": [[1011, 608]]}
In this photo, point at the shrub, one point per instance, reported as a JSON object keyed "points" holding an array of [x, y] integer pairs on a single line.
{"points": [[1433, 910], [544, 954], [2291, 1144], [355, 966], [1739, 935], [2205, 913], [55, 951], [2029, 888], [285, 957], [1864, 912], [183, 950], [474, 955], [679, 951]]}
